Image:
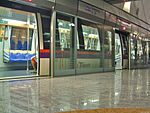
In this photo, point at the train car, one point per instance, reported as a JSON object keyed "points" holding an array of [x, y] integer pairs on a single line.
{"points": [[80, 38], [20, 28]]}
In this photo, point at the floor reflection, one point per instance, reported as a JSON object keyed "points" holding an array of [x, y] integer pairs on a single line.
{"points": [[105, 90]]}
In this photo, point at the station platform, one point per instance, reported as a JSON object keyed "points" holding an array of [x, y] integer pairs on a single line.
{"points": [[120, 89]]}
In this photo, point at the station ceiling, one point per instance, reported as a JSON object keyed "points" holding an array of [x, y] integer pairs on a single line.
{"points": [[117, 1]]}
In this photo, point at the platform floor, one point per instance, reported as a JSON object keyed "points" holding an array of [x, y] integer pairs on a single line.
{"points": [[112, 110], [16, 73], [120, 89]]}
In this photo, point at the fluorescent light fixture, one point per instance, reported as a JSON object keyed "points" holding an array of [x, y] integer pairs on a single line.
{"points": [[116, 93], [85, 104], [127, 6]]}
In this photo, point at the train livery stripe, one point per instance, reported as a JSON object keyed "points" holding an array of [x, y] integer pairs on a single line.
{"points": [[45, 53]]}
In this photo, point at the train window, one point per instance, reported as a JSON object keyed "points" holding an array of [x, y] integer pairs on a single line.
{"points": [[125, 44], [108, 41], [78, 46], [20, 36], [46, 31], [139, 49], [64, 32], [88, 36], [19, 40], [91, 38], [133, 49]]}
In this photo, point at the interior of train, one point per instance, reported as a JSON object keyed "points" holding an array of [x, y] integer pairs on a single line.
{"points": [[121, 49], [18, 41]]}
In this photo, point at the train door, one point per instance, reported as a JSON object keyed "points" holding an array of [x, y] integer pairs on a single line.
{"points": [[121, 49], [64, 45], [18, 42]]}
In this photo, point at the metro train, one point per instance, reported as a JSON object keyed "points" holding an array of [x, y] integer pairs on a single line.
{"points": [[69, 37]]}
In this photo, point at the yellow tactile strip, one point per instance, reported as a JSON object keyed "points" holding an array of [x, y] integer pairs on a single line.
{"points": [[112, 110]]}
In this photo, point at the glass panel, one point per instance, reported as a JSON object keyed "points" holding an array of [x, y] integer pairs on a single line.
{"points": [[46, 31], [133, 49], [19, 41], [45, 52], [118, 52], [139, 43], [65, 31], [144, 56], [139, 52], [108, 47], [89, 56], [121, 59], [91, 38], [124, 40], [64, 61]]}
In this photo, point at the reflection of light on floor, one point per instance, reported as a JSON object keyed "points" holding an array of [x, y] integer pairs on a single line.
{"points": [[112, 110], [16, 73], [85, 103], [61, 109], [116, 93]]}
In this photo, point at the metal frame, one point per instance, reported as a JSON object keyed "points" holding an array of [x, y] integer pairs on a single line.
{"points": [[40, 40], [52, 44], [129, 50]]}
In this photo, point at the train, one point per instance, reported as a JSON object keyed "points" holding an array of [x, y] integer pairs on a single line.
{"points": [[70, 37]]}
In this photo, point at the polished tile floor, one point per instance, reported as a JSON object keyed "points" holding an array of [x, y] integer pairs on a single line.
{"points": [[120, 89], [112, 110], [15, 73]]}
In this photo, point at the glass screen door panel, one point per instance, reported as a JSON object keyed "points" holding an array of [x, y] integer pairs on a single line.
{"points": [[108, 48], [89, 52], [139, 53], [64, 58], [92, 46]]}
